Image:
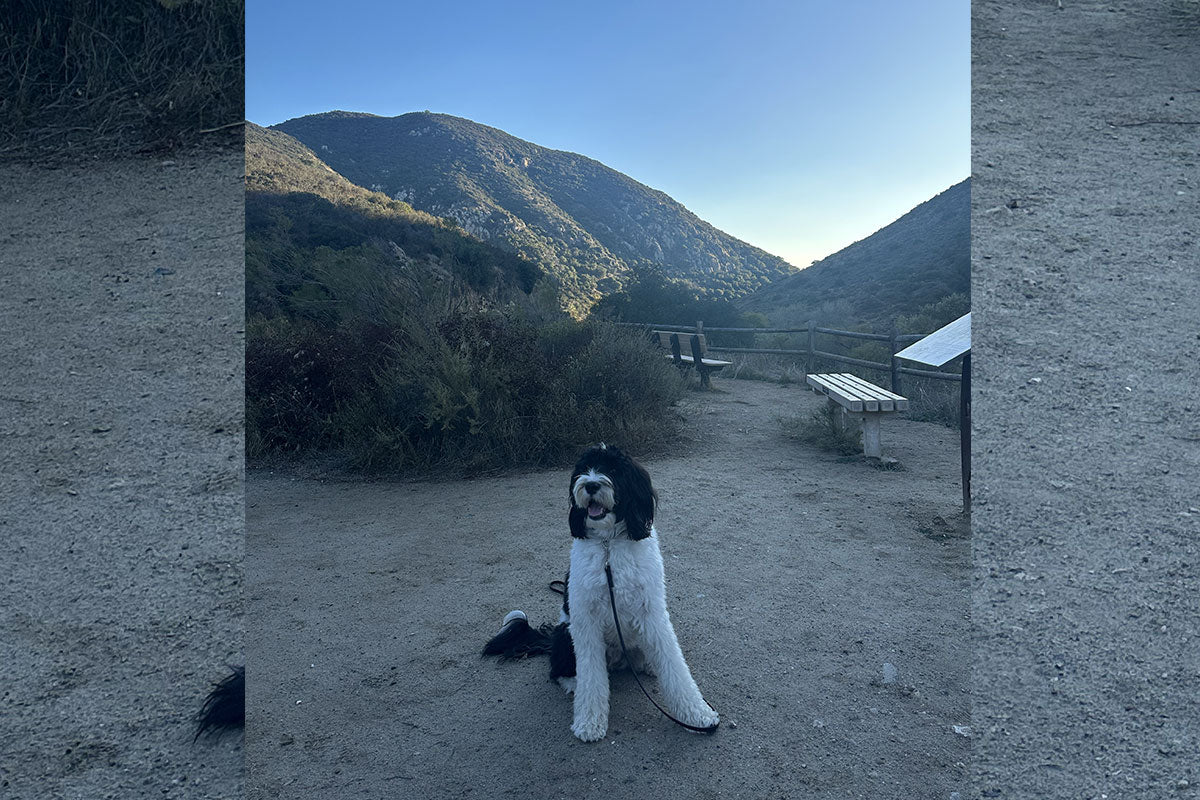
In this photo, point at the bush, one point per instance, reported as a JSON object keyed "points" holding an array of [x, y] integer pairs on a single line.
{"points": [[299, 374], [929, 318], [454, 392], [932, 400], [653, 297], [823, 430]]}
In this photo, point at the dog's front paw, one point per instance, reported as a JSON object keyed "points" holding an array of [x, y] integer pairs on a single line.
{"points": [[705, 717], [589, 730], [568, 685]]}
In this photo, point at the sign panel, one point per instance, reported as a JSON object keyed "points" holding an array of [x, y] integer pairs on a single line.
{"points": [[942, 345]]}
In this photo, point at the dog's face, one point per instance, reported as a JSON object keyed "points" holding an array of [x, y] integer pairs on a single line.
{"points": [[610, 494]]}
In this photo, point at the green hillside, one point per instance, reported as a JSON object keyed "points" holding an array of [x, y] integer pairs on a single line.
{"points": [[590, 227], [391, 339], [917, 261], [314, 240]]}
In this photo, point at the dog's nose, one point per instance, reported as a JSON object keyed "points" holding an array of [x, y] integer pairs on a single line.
{"points": [[591, 487]]}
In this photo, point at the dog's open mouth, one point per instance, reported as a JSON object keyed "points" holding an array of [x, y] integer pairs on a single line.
{"points": [[595, 510]]}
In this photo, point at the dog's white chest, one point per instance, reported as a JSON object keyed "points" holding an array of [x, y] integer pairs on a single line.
{"points": [[636, 573]]}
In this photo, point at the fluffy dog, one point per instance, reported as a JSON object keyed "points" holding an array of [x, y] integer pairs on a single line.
{"points": [[612, 504]]}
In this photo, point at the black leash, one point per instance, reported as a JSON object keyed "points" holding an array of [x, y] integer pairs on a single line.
{"points": [[613, 600]]}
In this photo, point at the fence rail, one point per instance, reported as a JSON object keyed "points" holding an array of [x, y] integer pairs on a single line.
{"points": [[893, 367]]}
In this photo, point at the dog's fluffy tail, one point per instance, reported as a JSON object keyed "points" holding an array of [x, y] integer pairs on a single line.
{"points": [[224, 709], [518, 639]]}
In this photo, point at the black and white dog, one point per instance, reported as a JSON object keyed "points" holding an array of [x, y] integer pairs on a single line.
{"points": [[612, 504]]}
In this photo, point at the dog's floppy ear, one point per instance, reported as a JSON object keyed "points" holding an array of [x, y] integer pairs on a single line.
{"points": [[578, 521], [636, 499], [577, 518]]}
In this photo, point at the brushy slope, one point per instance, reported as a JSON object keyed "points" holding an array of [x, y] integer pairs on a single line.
{"points": [[916, 261], [590, 227], [401, 343], [311, 234]]}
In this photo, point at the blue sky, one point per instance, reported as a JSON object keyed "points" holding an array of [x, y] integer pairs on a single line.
{"points": [[797, 126]]}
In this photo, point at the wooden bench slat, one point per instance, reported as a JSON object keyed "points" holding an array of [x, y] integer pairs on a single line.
{"points": [[832, 386], [708, 362], [839, 394], [856, 394], [871, 399], [857, 386], [862, 399], [685, 340], [872, 389]]}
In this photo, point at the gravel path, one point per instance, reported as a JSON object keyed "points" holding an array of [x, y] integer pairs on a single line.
{"points": [[121, 292], [792, 576], [1087, 421]]}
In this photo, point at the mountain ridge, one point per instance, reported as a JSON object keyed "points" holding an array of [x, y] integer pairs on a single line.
{"points": [[919, 259], [310, 230], [591, 227]]}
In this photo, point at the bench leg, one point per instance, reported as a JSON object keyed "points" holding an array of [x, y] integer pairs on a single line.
{"points": [[870, 434], [838, 414]]}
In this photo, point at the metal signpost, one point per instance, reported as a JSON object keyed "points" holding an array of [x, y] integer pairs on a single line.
{"points": [[937, 349]]}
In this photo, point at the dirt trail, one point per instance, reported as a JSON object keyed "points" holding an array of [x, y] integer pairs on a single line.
{"points": [[792, 576], [121, 292], [1087, 434]]}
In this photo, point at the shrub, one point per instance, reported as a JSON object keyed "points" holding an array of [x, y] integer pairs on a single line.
{"points": [[464, 392], [928, 318], [823, 430], [932, 400], [298, 374], [654, 297]]}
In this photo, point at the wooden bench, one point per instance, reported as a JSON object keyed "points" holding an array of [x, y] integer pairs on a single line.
{"points": [[693, 343], [861, 399]]}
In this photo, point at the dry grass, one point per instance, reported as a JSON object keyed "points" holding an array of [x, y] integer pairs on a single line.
{"points": [[825, 430], [88, 77]]}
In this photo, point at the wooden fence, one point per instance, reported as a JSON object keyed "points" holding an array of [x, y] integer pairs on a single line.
{"points": [[896, 342]]}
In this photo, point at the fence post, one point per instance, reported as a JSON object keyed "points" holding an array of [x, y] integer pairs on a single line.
{"points": [[964, 426], [698, 356], [895, 361], [808, 363]]}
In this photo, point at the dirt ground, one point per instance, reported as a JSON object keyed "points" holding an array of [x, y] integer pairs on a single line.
{"points": [[121, 291], [792, 577], [1087, 422]]}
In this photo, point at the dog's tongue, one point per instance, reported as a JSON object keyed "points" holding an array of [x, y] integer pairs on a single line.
{"points": [[596, 510]]}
